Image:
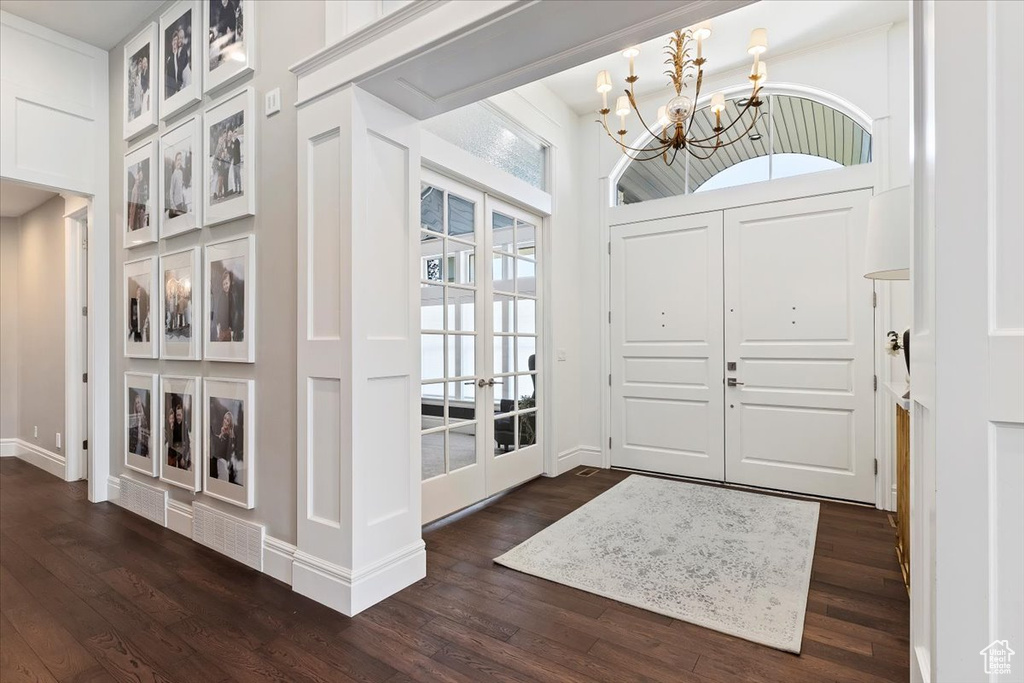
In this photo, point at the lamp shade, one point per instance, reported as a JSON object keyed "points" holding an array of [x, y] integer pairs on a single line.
{"points": [[888, 244]]}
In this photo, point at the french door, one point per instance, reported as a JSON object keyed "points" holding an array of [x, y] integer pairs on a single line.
{"points": [[480, 312]]}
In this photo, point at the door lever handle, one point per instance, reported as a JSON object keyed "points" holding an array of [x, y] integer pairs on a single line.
{"points": [[491, 383], [733, 383]]}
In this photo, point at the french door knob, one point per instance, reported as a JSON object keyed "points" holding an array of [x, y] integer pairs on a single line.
{"points": [[482, 382], [491, 382], [733, 383]]}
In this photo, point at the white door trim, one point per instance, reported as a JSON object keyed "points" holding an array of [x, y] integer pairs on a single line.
{"points": [[858, 177], [75, 339]]}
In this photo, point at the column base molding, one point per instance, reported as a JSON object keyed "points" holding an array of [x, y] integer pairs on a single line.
{"points": [[350, 592]]}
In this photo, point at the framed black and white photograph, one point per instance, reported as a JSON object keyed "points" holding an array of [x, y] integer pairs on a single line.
{"points": [[180, 26], [229, 159], [230, 50], [229, 472], [180, 420], [230, 277], [181, 173], [139, 431], [140, 195], [141, 82], [181, 305], [140, 326]]}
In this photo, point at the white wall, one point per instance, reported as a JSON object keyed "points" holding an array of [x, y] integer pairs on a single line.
{"points": [[285, 32]]}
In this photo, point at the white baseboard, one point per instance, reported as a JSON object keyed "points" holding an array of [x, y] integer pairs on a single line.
{"points": [[350, 592], [48, 461], [114, 490], [179, 517], [580, 455], [892, 499], [590, 456]]}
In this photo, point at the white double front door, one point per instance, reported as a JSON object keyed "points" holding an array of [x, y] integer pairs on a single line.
{"points": [[481, 376], [741, 346]]}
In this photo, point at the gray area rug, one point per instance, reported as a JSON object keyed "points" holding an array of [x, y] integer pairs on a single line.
{"points": [[732, 561]]}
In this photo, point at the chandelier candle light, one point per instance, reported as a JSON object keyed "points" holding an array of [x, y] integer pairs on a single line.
{"points": [[675, 119]]}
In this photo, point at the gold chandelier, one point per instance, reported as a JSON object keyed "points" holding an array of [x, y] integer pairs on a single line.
{"points": [[675, 119]]}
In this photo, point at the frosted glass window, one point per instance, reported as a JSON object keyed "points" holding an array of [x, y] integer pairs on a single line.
{"points": [[484, 133]]}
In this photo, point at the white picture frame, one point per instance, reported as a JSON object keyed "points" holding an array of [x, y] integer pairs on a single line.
{"points": [[229, 267], [181, 32], [141, 180], [140, 324], [180, 449], [228, 442], [229, 49], [140, 399], [229, 158], [141, 82], [180, 288], [181, 178]]}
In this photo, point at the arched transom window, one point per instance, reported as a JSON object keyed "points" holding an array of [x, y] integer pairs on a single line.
{"points": [[793, 136]]}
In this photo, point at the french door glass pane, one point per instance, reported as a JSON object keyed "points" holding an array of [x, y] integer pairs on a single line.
{"points": [[460, 310], [460, 263], [431, 356], [504, 313], [503, 353], [526, 280], [527, 347], [526, 239], [432, 209], [462, 446], [503, 232], [526, 316], [432, 447], [461, 216], [431, 307], [461, 359], [503, 274]]}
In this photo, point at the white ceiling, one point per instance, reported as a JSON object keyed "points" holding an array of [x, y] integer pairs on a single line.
{"points": [[17, 199], [792, 25], [102, 23]]}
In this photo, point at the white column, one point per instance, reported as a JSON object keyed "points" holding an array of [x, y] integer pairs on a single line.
{"points": [[967, 379], [358, 536]]}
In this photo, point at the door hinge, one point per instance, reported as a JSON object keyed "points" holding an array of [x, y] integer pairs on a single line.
{"points": [[874, 299], [609, 317], [609, 380], [875, 382], [85, 445], [85, 376], [876, 467], [609, 442], [609, 248], [85, 310]]}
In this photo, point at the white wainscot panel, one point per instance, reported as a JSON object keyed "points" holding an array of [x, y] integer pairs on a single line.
{"points": [[819, 439], [324, 212], [675, 372], [385, 241], [1007, 508], [794, 278], [39, 150], [52, 68], [665, 425], [324, 456], [818, 376], [670, 304], [388, 467]]}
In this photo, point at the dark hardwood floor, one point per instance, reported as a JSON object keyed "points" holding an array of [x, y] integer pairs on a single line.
{"points": [[94, 593]]}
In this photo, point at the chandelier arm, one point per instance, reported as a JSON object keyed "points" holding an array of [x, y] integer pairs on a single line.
{"points": [[738, 118], [663, 146], [699, 143], [632, 103]]}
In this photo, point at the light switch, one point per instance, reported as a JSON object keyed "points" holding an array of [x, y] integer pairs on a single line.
{"points": [[273, 102], [561, 354]]}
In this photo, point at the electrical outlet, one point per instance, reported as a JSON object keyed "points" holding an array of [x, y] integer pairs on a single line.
{"points": [[35, 431], [561, 354], [58, 440], [272, 102]]}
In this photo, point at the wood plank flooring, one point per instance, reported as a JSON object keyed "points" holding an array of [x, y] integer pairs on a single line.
{"points": [[94, 593]]}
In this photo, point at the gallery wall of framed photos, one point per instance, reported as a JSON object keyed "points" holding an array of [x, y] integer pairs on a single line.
{"points": [[201, 253]]}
